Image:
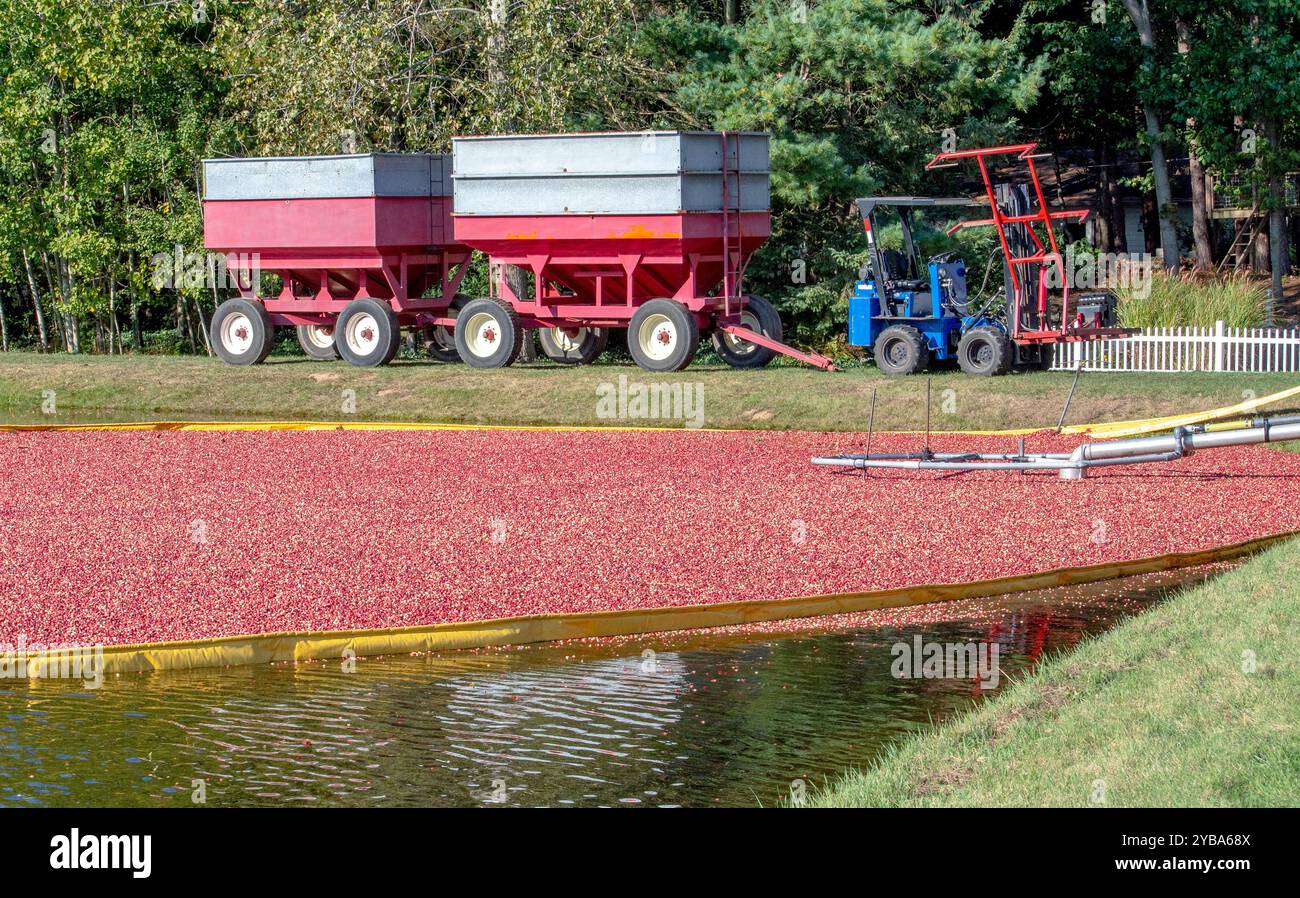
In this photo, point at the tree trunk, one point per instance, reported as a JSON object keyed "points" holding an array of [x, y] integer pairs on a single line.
{"points": [[499, 23], [71, 324], [1105, 202], [1259, 254], [1150, 223], [1165, 208], [1200, 209], [36, 302], [112, 304], [4, 328], [1204, 252], [1279, 255], [732, 11], [137, 339], [1137, 11]]}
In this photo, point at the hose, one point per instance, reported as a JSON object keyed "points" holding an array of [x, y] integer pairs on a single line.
{"points": [[964, 307]]}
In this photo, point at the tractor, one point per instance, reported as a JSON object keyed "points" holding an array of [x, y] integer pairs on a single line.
{"points": [[909, 316]]}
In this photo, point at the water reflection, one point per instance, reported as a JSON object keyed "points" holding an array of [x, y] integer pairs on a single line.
{"points": [[668, 719]]}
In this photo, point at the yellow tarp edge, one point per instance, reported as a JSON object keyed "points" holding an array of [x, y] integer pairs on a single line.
{"points": [[1169, 422], [300, 646], [1104, 430], [222, 426]]}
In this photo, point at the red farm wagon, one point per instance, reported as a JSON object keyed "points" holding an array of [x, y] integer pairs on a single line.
{"points": [[357, 241], [648, 231]]}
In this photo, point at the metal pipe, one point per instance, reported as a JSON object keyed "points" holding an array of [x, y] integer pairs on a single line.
{"points": [[1074, 465], [1212, 439]]}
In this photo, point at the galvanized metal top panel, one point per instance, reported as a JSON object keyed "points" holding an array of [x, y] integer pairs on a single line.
{"points": [[620, 152], [651, 172], [317, 177]]}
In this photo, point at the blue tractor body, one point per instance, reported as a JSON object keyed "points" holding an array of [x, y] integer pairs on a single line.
{"points": [[909, 315], [937, 321]]}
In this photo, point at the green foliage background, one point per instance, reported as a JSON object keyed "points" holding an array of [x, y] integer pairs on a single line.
{"points": [[107, 107]]}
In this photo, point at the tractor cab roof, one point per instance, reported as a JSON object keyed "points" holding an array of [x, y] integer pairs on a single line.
{"points": [[867, 204]]}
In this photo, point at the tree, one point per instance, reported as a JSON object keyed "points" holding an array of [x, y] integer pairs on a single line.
{"points": [[1240, 85], [104, 112], [1140, 14], [1090, 97], [856, 94]]}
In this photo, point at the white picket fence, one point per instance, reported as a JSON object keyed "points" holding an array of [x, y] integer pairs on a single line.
{"points": [[1173, 349]]}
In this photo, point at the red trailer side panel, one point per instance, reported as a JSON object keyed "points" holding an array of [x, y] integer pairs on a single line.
{"points": [[382, 224]]}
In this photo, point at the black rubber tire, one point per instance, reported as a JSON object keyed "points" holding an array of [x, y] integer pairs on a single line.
{"points": [[1046, 356], [663, 320], [439, 341], [900, 350], [500, 327], [985, 352], [384, 343], [255, 326], [312, 349], [586, 346], [739, 353]]}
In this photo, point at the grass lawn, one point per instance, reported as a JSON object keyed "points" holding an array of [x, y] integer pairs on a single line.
{"points": [[1159, 709], [120, 388]]}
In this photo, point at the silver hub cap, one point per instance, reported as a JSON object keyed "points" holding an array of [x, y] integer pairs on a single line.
{"points": [[362, 334], [482, 335], [237, 333], [320, 336], [657, 337], [741, 346]]}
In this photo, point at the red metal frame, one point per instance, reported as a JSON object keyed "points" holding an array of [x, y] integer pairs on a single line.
{"points": [[1069, 331], [315, 289]]}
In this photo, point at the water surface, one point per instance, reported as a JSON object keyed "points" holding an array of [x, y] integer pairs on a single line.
{"points": [[698, 719]]}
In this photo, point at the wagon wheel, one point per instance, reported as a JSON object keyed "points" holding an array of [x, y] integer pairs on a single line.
{"points": [[241, 332], [573, 346], [761, 317], [488, 334], [317, 341], [439, 340], [663, 336], [367, 333]]}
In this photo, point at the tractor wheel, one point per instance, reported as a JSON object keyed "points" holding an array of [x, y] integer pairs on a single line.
{"points": [[582, 347], [317, 341], [761, 317], [1046, 357], [901, 349], [984, 352], [438, 340], [663, 336], [367, 333], [241, 332], [488, 334]]}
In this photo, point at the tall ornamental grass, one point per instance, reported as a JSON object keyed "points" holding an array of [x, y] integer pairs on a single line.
{"points": [[1176, 301]]}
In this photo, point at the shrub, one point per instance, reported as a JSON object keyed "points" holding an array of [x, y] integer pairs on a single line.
{"points": [[1187, 301]]}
